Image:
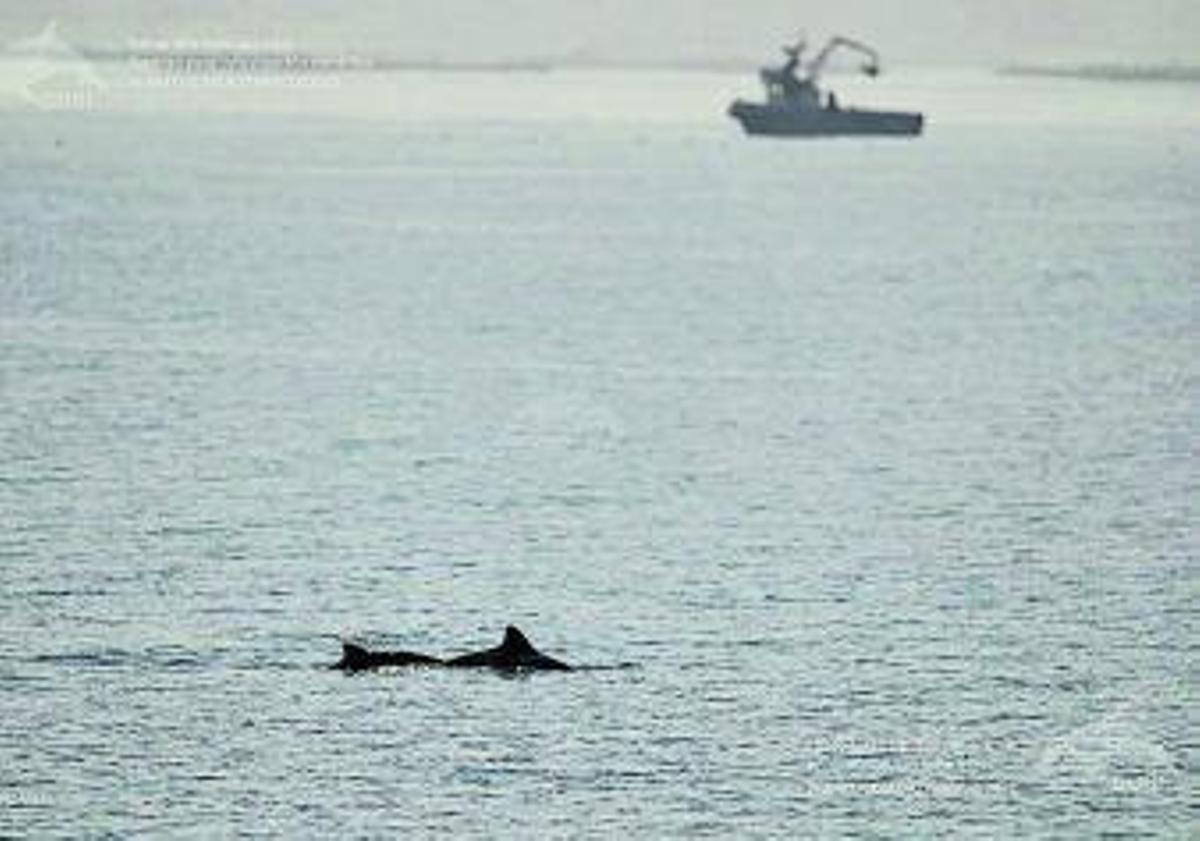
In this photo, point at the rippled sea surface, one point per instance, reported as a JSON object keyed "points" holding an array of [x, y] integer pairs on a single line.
{"points": [[867, 470]]}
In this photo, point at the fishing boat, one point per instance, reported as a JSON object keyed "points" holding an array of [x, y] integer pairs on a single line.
{"points": [[797, 107]]}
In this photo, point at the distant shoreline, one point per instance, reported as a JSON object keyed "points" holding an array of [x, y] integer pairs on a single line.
{"points": [[267, 62], [270, 62], [1178, 73]]}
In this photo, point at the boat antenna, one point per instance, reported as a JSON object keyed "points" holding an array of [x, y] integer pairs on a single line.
{"points": [[795, 50]]}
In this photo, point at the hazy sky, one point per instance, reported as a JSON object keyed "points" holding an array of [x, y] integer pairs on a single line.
{"points": [[912, 31]]}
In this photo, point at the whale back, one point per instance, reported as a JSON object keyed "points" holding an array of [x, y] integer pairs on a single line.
{"points": [[514, 653], [356, 658]]}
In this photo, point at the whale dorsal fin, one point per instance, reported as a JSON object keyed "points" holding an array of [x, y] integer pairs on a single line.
{"points": [[515, 641], [353, 656]]}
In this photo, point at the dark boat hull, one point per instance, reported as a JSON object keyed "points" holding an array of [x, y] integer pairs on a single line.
{"points": [[757, 118]]}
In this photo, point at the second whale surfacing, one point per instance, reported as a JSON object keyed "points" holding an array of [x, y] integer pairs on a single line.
{"points": [[514, 654]]}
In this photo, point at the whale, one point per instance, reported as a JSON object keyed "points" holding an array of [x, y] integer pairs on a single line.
{"points": [[514, 653], [355, 658]]}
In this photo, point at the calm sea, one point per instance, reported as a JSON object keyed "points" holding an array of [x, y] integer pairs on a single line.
{"points": [[868, 466]]}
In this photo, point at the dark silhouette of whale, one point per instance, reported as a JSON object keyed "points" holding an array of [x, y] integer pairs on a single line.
{"points": [[514, 653], [355, 658]]}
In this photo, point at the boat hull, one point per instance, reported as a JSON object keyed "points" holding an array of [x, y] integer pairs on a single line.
{"points": [[757, 118]]}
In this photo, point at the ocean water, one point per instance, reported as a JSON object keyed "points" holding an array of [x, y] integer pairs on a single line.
{"points": [[864, 471]]}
